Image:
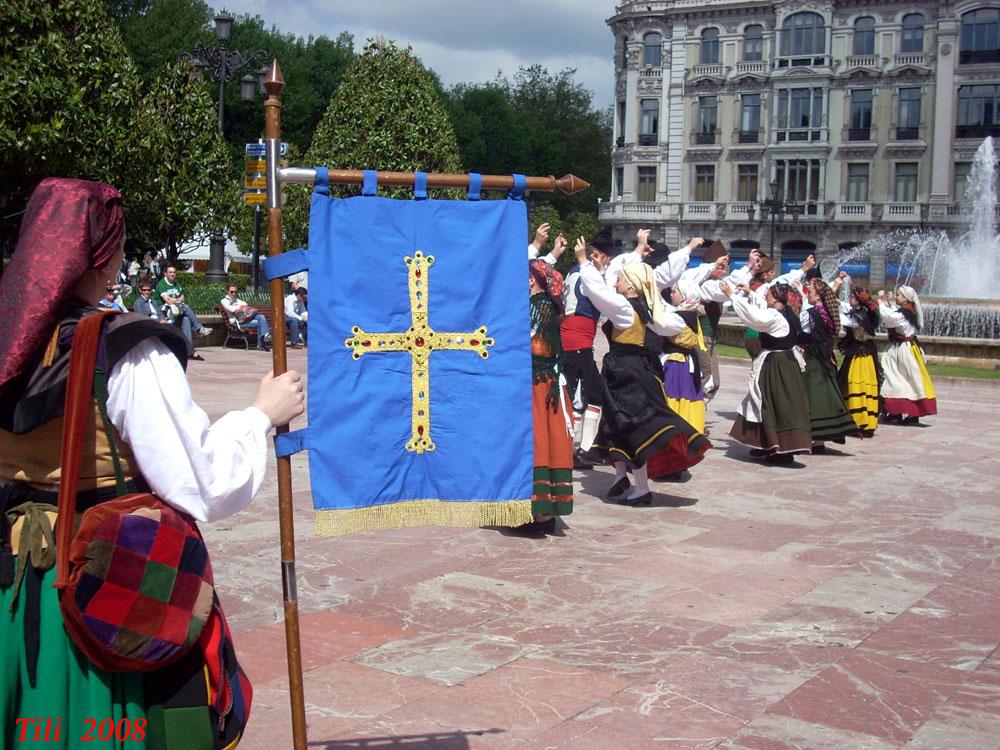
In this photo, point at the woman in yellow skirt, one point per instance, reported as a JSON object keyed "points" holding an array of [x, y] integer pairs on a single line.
{"points": [[907, 390], [860, 376]]}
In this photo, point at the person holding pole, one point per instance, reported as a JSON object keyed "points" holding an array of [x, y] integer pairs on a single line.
{"points": [[156, 437]]}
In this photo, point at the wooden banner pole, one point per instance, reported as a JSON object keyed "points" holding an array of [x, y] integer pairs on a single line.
{"points": [[273, 85]]}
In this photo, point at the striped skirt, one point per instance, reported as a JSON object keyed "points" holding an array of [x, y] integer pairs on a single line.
{"points": [[552, 493], [858, 378]]}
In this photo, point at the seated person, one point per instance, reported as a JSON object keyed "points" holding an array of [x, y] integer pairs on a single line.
{"points": [[146, 305], [242, 315], [110, 300], [177, 311], [297, 316]]}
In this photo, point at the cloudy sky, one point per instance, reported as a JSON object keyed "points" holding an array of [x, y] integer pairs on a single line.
{"points": [[464, 40]]}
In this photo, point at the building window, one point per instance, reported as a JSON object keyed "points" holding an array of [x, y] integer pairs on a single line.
{"points": [[646, 184], [753, 43], [652, 49], [980, 38], [803, 34], [649, 121], [857, 183], [908, 116], [913, 33], [624, 52], [708, 109], [621, 125], [962, 171], [798, 181], [619, 181], [704, 182], [906, 182], [746, 182], [749, 118], [709, 53], [978, 111], [800, 114], [861, 115], [864, 36]]}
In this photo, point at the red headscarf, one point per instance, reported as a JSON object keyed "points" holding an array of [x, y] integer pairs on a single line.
{"points": [[69, 226]]}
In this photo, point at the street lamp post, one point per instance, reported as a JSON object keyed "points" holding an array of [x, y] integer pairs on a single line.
{"points": [[775, 208], [221, 64]]}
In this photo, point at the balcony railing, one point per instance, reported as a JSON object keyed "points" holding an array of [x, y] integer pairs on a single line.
{"points": [[977, 131], [901, 212], [748, 136], [854, 211], [700, 210], [909, 58], [907, 133], [741, 211], [862, 61], [709, 69], [649, 139], [859, 134], [709, 138], [651, 72], [756, 66], [969, 57], [798, 61], [798, 135]]}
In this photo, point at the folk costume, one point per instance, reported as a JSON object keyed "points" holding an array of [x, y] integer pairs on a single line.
{"points": [[820, 324], [553, 426], [907, 390], [637, 423], [774, 415], [148, 434], [860, 376], [583, 380]]}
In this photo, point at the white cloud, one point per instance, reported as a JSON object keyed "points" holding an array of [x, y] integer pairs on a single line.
{"points": [[465, 40]]}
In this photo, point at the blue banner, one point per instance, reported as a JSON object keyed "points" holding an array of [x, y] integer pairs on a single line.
{"points": [[856, 267], [419, 363]]}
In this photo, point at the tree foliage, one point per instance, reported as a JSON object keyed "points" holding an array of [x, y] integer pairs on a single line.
{"points": [[68, 96], [156, 32], [186, 183], [386, 114]]}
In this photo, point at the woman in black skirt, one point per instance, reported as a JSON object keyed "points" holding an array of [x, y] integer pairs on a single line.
{"points": [[774, 415], [636, 422]]}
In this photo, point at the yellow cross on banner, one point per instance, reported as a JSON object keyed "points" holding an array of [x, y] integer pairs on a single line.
{"points": [[420, 340]]}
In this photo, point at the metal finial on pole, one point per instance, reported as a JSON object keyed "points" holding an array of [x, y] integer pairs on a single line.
{"points": [[273, 85]]}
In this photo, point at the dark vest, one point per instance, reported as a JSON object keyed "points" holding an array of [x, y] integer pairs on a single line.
{"points": [[788, 341]]}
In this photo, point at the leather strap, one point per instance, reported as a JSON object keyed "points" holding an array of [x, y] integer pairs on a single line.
{"points": [[79, 389]]}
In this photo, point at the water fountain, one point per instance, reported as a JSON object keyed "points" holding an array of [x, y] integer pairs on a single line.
{"points": [[958, 278]]}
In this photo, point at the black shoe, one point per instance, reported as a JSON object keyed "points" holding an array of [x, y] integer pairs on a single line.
{"points": [[645, 499], [580, 462], [911, 420], [758, 453], [197, 357], [548, 526], [619, 488], [781, 458], [819, 449]]}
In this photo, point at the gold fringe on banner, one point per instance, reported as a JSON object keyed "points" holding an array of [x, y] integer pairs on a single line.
{"points": [[413, 513]]}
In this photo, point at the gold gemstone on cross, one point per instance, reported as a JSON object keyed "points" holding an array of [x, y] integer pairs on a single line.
{"points": [[419, 341]]}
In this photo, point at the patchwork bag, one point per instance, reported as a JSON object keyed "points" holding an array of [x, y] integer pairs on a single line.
{"points": [[134, 578]]}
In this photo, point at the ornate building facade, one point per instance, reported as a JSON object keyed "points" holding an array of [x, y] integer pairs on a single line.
{"points": [[813, 122]]}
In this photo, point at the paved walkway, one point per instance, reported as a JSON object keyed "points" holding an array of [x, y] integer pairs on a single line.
{"points": [[849, 601]]}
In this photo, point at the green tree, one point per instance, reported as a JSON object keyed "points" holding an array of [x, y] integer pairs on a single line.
{"points": [[186, 188], [68, 98], [156, 32], [386, 114]]}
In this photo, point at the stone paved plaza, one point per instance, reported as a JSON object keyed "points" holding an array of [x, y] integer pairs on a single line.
{"points": [[851, 601]]}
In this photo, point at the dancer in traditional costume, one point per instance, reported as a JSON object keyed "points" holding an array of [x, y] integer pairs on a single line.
{"points": [[820, 321], [146, 433], [907, 390], [636, 422], [774, 415], [551, 411], [860, 376]]}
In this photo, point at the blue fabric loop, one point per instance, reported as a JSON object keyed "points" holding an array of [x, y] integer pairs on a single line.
{"points": [[419, 186], [475, 186], [370, 184], [322, 182], [291, 442], [520, 183], [286, 264]]}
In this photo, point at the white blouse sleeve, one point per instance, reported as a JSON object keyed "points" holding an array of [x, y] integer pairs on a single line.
{"points": [[673, 325], [893, 317], [805, 319], [209, 471], [846, 319], [533, 254], [669, 272], [763, 319], [614, 306]]}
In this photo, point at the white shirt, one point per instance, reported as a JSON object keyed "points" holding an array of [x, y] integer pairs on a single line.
{"points": [[209, 471], [533, 254], [893, 317], [763, 319], [618, 309], [294, 307]]}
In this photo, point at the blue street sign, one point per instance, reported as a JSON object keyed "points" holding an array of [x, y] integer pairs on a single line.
{"points": [[260, 149]]}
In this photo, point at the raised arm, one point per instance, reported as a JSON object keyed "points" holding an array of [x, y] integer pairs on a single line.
{"points": [[613, 305]]}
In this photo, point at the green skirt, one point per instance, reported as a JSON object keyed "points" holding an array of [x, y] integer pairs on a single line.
{"points": [[89, 704], [828, 415]]}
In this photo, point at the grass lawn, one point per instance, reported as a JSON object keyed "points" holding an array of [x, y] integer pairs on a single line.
{"points": [[936, 370]]}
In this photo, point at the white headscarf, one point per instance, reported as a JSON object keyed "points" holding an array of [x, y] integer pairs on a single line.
{"points": [[910, 295], [643, 280]]}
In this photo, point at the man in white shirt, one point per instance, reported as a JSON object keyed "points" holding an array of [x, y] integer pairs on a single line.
{"points": [[297, 316]]}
